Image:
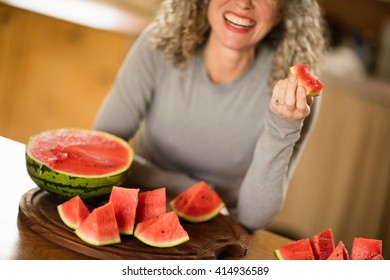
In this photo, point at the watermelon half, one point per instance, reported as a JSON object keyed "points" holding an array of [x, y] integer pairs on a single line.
{"points": [[199, 203], [71, 162], [162, 231], [73, 212], [312, 85], [322, 244], [100, 227], [296, 250], [125, 202]]}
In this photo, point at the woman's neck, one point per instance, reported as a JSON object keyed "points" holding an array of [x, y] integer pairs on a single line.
{"points": [[224, 65]]}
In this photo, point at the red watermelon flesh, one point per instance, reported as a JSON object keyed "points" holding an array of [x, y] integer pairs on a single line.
{"points": [[73, 212], [322, 244], [162, 231], [81, 152], [365, 248], [151, 204], [296, 250], [100, 227], [339, 253], [125, 202], [199, 203], [313, 86]]}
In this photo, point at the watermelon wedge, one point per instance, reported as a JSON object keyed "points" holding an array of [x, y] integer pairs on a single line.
{"points": [[339, 253], [151, 204], [377, 258], [125, 202], [296, 250], [365, 248], [322, 244], [162, 231], [199, 203], [73, 212], [100, 227], [313, 86]]}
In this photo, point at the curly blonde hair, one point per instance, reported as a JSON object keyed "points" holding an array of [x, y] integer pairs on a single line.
{"points": [[182, 28]]}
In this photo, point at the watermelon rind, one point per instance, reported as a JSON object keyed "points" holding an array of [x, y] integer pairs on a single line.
{"points": [[69, 185], [153, 232]]}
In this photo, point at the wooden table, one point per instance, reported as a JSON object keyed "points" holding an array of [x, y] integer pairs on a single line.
{"points": [[17, 241]]}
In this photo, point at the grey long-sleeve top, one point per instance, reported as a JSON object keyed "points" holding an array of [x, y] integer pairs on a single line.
{"points": [[191, 129]]}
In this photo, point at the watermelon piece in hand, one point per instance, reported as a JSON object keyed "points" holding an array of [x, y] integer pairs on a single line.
{"points": [[339, 253], [162, 231], [322, 244], [125, 201], [365, 248], [73, 212], [100, 227], [312, 85], [151, 204], [296, 250]]}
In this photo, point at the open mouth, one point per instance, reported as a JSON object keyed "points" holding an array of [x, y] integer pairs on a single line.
{"points": [[239, 22]]}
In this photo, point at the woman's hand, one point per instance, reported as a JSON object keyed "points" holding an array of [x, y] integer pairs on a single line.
{"points": [[289, 100]]}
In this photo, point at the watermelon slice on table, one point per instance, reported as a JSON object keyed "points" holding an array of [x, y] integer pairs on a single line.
{"points": [[73, 212], [296, 250], [365, 248], [162, 231], [100, 227], [125, 202], [312, 85], [151, 204], [322, 244], [339, 253], [199, 203]]}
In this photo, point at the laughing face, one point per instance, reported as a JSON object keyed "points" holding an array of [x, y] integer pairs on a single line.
{"points": [[241, 24]]}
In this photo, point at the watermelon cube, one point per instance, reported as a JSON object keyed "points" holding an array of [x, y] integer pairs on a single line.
{"points": [[151, 204], [125, 201], [365, 248], [322, 244]]}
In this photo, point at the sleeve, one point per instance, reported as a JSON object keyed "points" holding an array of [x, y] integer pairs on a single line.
{"points": [[276, 155], [124, 108]]}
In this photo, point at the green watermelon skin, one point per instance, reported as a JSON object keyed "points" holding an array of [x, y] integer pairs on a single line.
{"points": [[125, 201], [100, 227], [365, 248], [199, 203], [296, 250], [339, 253], [73, 212], [67, 183], [322, 244], [151, 204], [163, 231]]}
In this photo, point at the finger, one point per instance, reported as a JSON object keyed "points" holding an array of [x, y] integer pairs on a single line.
{"points": [[290, 94], [309, 100], [302, 105], [281, 92], [275, 101]]}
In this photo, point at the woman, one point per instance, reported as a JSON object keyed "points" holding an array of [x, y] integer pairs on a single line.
{"points": [[209, 82]]}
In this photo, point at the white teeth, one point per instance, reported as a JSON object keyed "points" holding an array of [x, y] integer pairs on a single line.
{"points": [[238, 21]]}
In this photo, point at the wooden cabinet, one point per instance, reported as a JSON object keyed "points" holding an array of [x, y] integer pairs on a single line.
{"points": [[53, 73]]}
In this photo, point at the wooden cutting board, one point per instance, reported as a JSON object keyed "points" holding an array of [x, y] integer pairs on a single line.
{"points": [[218, 238]]}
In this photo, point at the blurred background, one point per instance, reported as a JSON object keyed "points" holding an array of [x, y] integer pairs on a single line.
{"points": [[59, 58]]}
